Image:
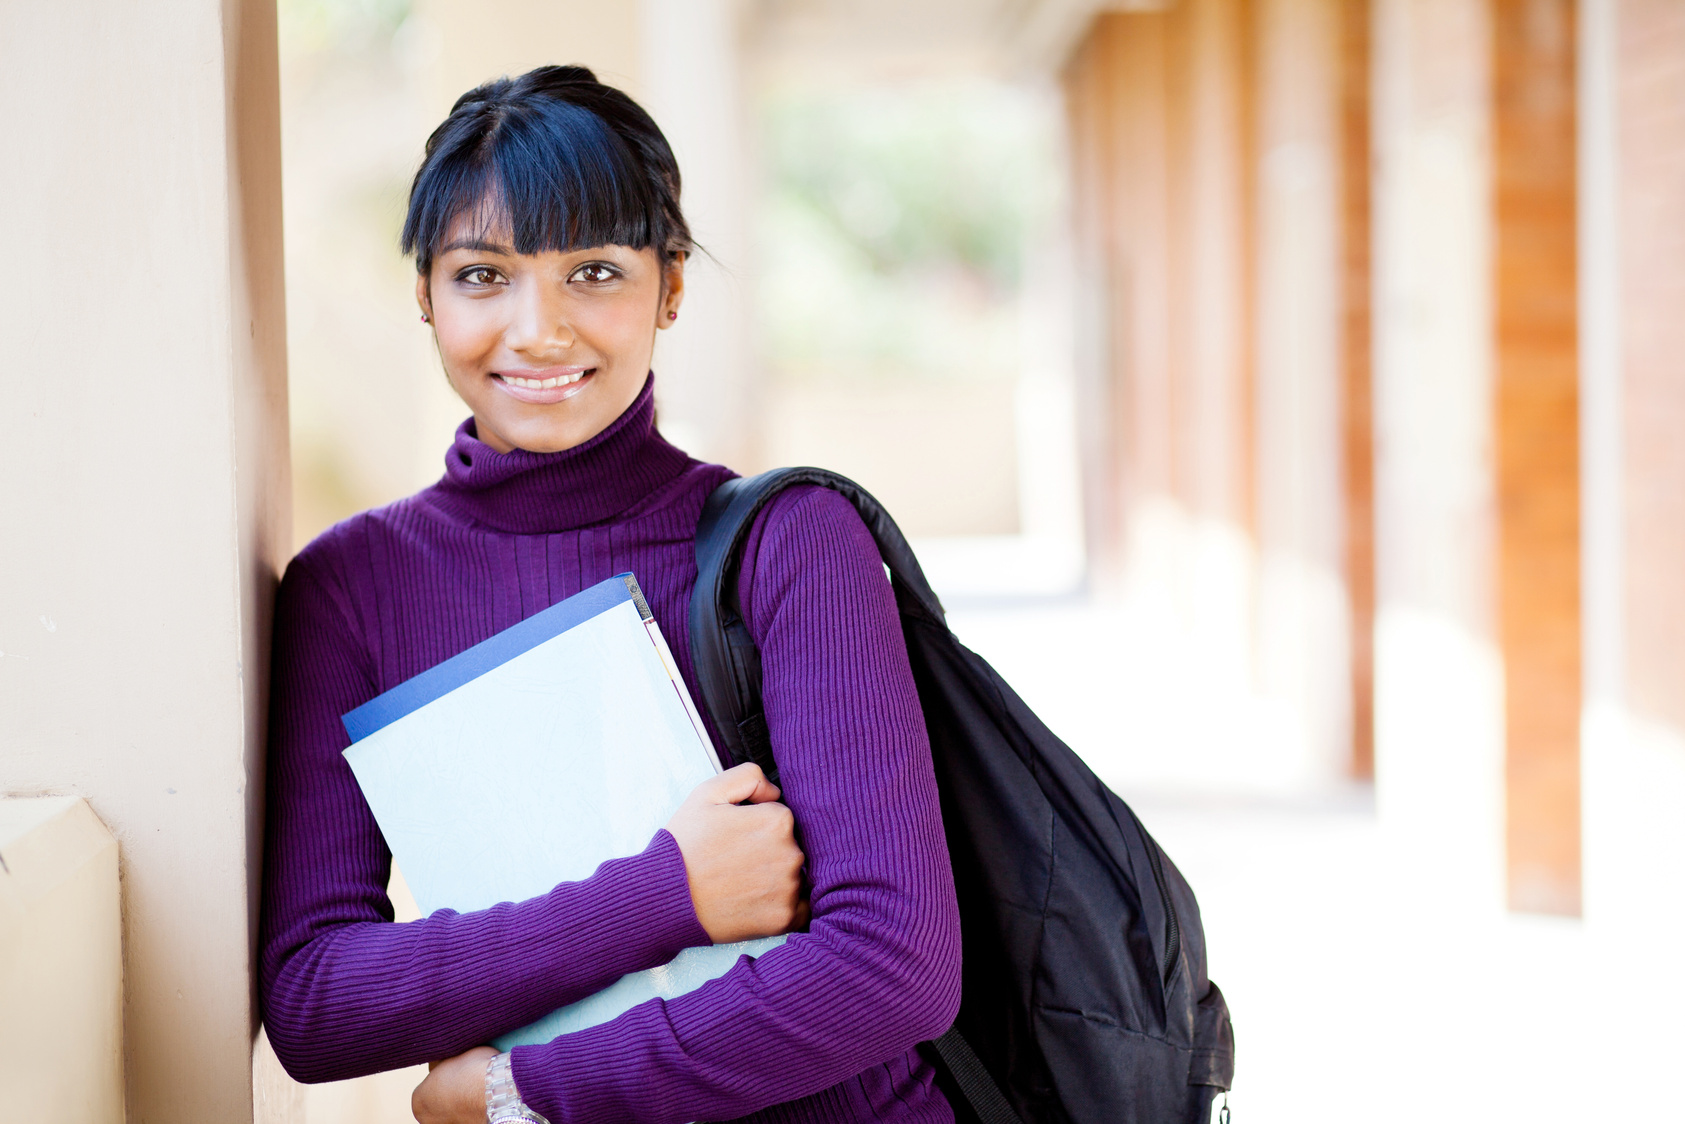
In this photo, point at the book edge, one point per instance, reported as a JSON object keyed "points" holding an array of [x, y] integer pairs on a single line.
{"points": [[471, 663]]}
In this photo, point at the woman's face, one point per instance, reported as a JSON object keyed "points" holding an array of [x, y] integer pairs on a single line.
{"points": [[547, 349]]}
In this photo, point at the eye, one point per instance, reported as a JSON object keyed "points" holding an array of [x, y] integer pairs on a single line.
{"points": [[479, 275], [595, 273]]}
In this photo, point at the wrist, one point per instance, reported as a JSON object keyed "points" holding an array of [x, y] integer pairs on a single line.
{"points": [[503, 1099]]}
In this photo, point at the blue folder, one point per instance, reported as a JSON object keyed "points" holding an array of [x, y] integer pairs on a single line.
{"points": [[532, 758]]}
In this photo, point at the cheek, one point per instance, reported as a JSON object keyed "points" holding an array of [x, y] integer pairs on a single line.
{"points": [[625, 328], [466, 334]]}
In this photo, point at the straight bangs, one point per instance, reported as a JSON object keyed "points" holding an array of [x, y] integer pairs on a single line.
{"points": [[551, 176]]}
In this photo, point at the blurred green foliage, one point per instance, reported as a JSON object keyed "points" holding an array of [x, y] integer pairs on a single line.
{"points": [[340, 26], [895, 226], [917, 177]]}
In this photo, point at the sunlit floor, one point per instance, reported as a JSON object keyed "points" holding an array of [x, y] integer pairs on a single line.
{"points": [[1354, 999]]}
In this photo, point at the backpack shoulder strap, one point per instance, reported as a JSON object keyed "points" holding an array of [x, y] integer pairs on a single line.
{"points": [[728, 666], [728, 671]]}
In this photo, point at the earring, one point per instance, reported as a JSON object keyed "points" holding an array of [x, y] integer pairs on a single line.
{"points": [[424, 318], [672, 316]]}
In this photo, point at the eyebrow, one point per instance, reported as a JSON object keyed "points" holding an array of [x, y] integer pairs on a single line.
{"points": [[477, 244]]}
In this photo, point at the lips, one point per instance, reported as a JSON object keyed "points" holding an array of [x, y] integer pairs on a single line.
{"points": [[543, 388]]}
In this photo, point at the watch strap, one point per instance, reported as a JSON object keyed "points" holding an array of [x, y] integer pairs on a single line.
{"points": [[503, 1100]]}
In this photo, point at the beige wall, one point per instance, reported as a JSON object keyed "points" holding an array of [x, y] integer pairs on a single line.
{"points": [[144, 488]]}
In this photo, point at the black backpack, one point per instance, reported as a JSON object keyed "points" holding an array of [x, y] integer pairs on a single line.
{"points": [[1085, 996]]}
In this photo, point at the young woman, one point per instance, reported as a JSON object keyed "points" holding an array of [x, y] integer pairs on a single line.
{"points": [[550, 248]]}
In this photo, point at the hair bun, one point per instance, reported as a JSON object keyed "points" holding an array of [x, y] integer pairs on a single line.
{"points": [[573, 74], [557, 158]]}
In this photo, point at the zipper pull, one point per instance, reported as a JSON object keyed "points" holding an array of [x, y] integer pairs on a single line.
{"points": [[1223, 1113]]}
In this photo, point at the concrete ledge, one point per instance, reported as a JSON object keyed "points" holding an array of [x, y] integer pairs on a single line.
{"points": [[61, 965]]}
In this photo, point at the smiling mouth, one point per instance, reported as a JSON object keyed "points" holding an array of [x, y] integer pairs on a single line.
{"points": [[544, 384]]}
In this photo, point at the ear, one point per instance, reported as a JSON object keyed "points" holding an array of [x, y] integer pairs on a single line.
{"points": [[424, 293], [672, 291]]}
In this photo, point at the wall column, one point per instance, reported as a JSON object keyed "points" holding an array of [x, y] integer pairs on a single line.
{"points": [[1201, 547], [1303, 618], [1161, 149], [1535, 286], [1632, 214], [1438, 670], [1478, 649], [1117, 90], [1652, 289], [693, 72], [143, 487], [1357, 374]]}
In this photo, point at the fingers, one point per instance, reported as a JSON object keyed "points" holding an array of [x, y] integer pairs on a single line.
{"points": [[734, 786], [765, 792], [774, 824]]}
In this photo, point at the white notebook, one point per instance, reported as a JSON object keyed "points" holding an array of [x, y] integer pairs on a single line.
{"points": [[530, 759]]}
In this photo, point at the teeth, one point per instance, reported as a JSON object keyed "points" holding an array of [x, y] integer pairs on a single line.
{"points": [[544, 384]]}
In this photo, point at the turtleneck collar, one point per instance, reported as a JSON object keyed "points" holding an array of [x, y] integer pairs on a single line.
{"points": [[541, 493]]}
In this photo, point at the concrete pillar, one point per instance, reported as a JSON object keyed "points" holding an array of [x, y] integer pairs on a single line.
{"points": [[1210, 142], [1303, 610], [1160, 143], [693, 73], [1537, 447], [1632, 223], [1651, 168], [1438, 668], [143, 487], [1116, 93], [1357, 342], [1211, 168]]}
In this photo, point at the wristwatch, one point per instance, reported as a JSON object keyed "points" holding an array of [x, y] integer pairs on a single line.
{"points": [[503, 1100]]}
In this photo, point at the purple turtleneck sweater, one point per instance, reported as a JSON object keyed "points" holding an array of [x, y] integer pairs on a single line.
{"points": [[820, 1029]]}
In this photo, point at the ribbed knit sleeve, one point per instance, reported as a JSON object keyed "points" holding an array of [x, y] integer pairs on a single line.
{"points": [[879, 968], [347, 992]]}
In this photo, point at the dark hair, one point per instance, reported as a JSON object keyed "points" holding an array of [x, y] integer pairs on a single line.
{"points": [[563, 160]]}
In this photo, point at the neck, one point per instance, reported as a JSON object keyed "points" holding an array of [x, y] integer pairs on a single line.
{"points": [[535, 493]]}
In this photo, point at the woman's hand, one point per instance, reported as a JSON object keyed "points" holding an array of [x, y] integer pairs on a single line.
{"points": [[743, 864], [454, 1091]]}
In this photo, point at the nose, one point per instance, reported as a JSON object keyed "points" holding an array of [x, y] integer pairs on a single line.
{"points": [[539, 327]]}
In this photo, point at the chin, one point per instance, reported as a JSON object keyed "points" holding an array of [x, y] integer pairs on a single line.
{"points": [[558, 426], [546, 435]]}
